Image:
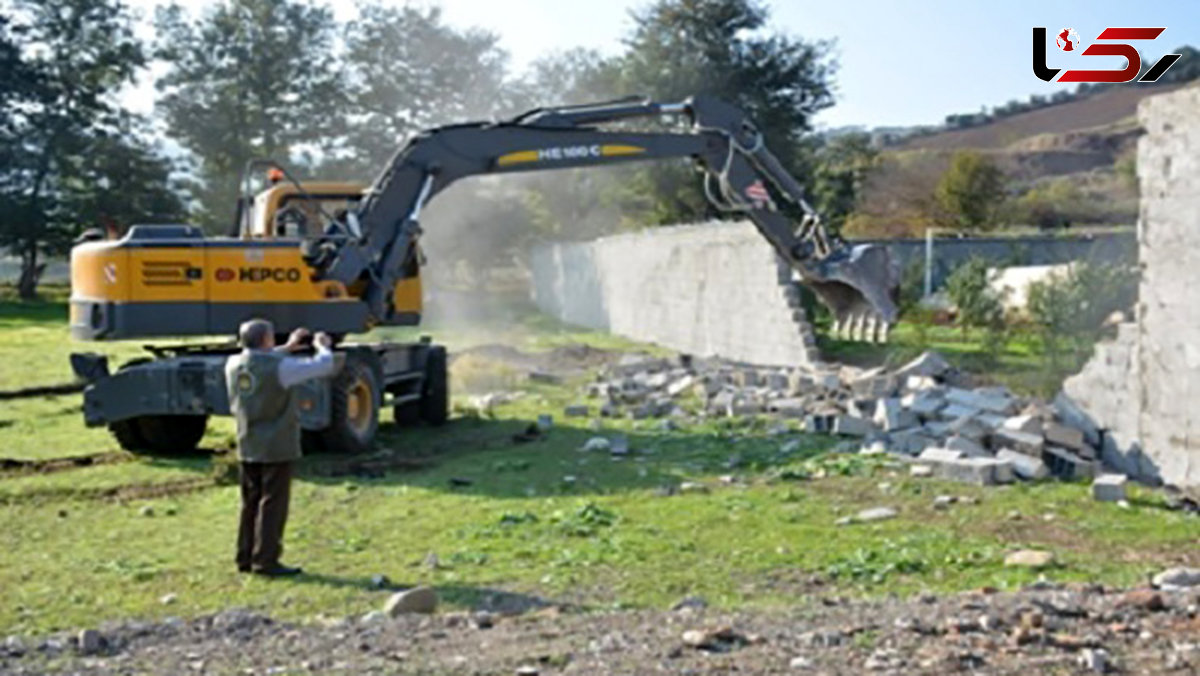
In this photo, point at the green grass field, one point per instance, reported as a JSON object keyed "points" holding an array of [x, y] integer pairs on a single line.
{"points": [[541, 519]]}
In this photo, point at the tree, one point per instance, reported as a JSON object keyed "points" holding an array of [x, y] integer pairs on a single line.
{"points": [[683, 47], [61, 133], [968, 288], [842, 167], [971, 190], [406, 71], [248, 79]]}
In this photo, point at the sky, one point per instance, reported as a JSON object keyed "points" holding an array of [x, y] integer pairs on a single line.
{"points": [[900, 63]]}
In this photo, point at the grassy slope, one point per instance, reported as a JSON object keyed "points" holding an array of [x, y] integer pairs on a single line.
{"points": [[607, 539]]}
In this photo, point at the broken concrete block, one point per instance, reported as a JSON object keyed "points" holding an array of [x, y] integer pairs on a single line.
{"points": [[969, 427], [911, 441], [983, 400], [1071, 414], [791, 407], [890, 415], [1027, 424], [721, 403], [1058, 434], [938, 454], [1025, 466], [979, 471], [681, 385], [776, 380], [956, 411], [918, 383], [818, 424], [1065, 464], [929, 363], [851, 426], [937, 429], [1029, 444], [1110, 488], [968, 447], [926, 403], [577, 411], [992, 421], [610, 410], [799, 382]]}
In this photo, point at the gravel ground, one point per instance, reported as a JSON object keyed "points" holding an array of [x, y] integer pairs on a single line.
{"points": [[1074, 629]]}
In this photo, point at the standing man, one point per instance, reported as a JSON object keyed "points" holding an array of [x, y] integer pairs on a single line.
{"points": [[259, 380]]}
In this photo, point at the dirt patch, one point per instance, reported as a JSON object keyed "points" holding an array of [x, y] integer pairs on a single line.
{"points": [[1048, 630], [19, 466]]}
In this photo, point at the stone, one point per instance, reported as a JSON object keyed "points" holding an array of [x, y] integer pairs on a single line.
{"points": [[970, 427], [527, 670], [791, 407], [926, 403], [955, 411], [851, 426], [577, 411], [1029, 558], [920, 471], [1067, 465], [692, 487], [373, 617], [1142, 599], [90, 642], [14, 646], [168, 599], [619, 446], [1024, 466], [1110, 488], [800, 663], [422, 600], [690, 603], [1027, 424], [911, 441], [1061, 435], [1022, 442], [944, 501], [1173, 579], [876, 514], [146, 510], [545, 422], [917, 383], [597, 445], [1094, 660], [681, 385]]}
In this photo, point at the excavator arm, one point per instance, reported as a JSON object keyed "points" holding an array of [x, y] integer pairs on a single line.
{"points": [[376, 243]]}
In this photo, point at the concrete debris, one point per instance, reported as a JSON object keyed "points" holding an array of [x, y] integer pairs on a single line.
{"points": [[981, 435], [1110, 488]]}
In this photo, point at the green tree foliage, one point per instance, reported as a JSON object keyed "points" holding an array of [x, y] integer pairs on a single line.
{"points": [[69, 155], [841, 169], [971, 191], [1071, 309], [978, 306], [683, 47], [406, 71], [247, 79]]}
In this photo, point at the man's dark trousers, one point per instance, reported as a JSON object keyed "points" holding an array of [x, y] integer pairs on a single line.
{"points": [[266, 488]]}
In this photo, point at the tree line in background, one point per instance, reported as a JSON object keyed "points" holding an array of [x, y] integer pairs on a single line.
{"points": [[283, 79]]}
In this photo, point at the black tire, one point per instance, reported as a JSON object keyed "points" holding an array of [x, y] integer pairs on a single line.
{"points": [[354, 397], [160, 434], [407, 414], [435, 391]]}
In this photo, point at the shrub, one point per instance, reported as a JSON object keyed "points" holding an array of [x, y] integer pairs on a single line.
{"points": [[978, 305]]}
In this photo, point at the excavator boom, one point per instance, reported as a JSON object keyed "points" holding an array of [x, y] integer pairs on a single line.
{"points": [[741, 176]]}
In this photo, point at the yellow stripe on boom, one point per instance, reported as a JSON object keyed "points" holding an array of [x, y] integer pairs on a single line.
{"points": [[617, 151], [519, 157]]}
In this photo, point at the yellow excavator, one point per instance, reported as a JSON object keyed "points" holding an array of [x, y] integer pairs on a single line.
{"points": [[342, 259]]}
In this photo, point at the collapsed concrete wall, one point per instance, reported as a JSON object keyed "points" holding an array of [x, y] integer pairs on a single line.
{"points": [[716, 289], [1143, 388]]}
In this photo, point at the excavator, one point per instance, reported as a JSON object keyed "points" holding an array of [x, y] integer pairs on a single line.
{"points": [[342, 259]]}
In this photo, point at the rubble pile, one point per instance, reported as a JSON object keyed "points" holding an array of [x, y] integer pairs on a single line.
{"points": [[925, 411]]}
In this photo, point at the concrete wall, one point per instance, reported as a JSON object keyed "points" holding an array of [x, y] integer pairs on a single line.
{"points": [[1144, 388], [716, 289]]}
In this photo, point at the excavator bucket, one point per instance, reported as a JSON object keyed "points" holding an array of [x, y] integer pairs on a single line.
{"points": [[858, 284]]}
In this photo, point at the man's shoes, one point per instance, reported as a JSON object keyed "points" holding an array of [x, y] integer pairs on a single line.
{"points": [[278, 570]]}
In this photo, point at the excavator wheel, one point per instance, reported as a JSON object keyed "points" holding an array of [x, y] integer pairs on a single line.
{"points": [[435, 391], [160, 434], [355, 397]]}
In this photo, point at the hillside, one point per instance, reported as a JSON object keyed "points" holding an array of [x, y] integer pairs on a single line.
{"points": [[1099, 110]]}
